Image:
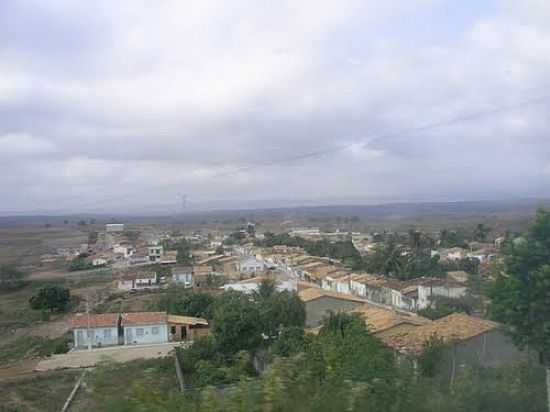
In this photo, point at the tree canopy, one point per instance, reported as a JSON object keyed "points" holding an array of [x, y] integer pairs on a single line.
{"points": [[53, 298]]}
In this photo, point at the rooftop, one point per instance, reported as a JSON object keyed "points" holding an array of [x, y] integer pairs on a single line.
{"points": [[186, 320], [210, 259], [139, 275], [143, 318], [80, 320], [455, 327], [380, 319], [310, 294]]}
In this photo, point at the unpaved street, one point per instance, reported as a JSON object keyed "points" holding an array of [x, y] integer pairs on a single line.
{"points": [[85, 359]]}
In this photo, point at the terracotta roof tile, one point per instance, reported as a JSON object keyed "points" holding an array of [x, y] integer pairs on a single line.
{"points": [[381, 319], [307, 295], [80, 320], [143, 318], [455, 327], [186, 320]]}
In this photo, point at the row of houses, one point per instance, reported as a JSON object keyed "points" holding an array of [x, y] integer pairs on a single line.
{"points": [[329, 274], [469, 340], [140, 328]]}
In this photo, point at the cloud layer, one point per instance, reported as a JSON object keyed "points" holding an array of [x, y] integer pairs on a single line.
{"points": [[122, 107]]}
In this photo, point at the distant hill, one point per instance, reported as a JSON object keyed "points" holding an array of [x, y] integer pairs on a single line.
{"points": [[391, 211]]}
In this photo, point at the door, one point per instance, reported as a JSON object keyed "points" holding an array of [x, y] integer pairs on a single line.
{"points": [[129, 337], [80, 338]]}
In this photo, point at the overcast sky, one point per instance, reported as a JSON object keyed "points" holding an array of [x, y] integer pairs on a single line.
{"points": [[125, 105]]}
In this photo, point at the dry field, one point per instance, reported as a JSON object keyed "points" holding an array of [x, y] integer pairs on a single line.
{"points": [[23, 245]]}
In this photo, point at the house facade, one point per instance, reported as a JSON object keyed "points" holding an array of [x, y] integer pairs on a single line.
{"points": [[143, 328], [186, 328], [95, 330], [319, 303], [250, 265], [138, 281], [155, 253], [183, 275]]}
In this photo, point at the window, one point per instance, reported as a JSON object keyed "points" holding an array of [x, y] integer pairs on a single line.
{"points": [[155, 330], [173, 330], [89, 333], [106, 333], [139, 331]]}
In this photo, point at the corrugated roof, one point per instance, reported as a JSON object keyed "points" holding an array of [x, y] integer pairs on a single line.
{"points": [[307, 295], [80, 320], [143, 318], [186, 320], [455, 327]]}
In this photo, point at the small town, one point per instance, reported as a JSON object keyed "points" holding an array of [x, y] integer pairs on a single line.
{"points": [[144, 293], [291, 206]]}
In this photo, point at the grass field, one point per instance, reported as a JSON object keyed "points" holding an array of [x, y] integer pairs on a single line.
{"points": [[108, 384], [41, 393], [23, 245], [24, 334]]}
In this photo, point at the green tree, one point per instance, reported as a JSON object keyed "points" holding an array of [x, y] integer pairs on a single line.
{"points": [[521, 296], [481, 232], [291, 341], [182, 301], [80, 263], [278, 310], [236, 323], [431, 356], [52, 298]]}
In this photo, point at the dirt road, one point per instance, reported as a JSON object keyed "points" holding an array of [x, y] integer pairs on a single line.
{"points": [[86, 359]]}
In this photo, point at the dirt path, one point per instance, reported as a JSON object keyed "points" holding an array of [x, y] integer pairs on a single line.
{"points": [[24, 369], [86, 359], [52, 274]]}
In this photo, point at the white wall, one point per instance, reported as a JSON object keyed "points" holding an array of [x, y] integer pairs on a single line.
{"points": [[98, 337], [131, 336], [424, 293]]}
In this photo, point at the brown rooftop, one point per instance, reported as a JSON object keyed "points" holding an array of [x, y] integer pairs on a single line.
{"points": [[310, 294], [143, 318], [186, 320], [80, 320], [455, 327], [381, 319]]}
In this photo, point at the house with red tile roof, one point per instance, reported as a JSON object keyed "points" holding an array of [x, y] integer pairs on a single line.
{"points": [[96, 330], [142, 328]]}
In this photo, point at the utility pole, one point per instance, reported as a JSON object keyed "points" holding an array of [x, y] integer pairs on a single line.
{"points": [[88, 335]]}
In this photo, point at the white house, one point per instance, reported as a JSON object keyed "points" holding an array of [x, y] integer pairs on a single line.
{"points": [[97, 330], [183, 275], [250, 265], [145, 328], [453, 254], [99, 261], [253, 284], [439, 287], [126, 251], [114, 227], [155, 252], [137, 281]]}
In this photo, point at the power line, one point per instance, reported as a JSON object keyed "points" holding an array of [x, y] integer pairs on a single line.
{"points": [[390, 135], [366, 141]]}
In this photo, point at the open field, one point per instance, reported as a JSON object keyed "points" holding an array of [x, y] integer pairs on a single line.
{"points": [[24, 335], [23, 245], [37, 393]]}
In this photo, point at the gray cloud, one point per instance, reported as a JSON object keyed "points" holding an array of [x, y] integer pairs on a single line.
{"points": [[123, 108]]}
